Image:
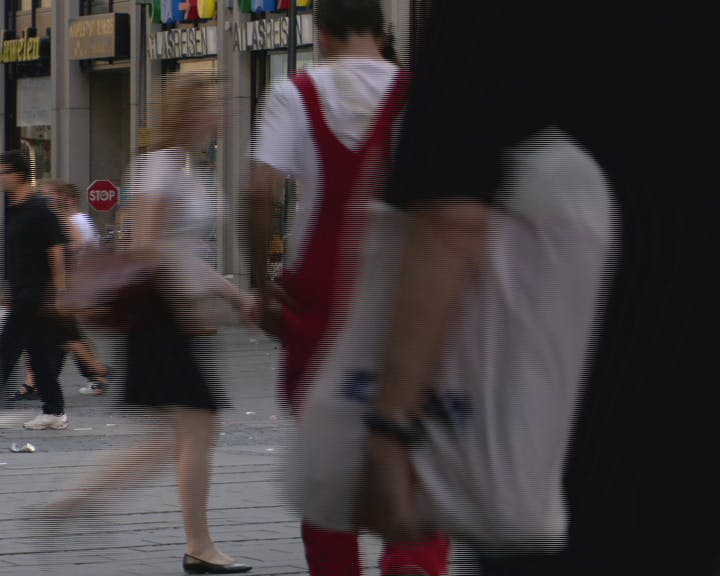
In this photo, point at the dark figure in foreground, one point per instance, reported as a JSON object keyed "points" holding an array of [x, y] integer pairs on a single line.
{"points": [[631, 82]]}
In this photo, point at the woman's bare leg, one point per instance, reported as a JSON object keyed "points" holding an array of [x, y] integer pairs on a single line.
{"points": [[84, 352], [197, 431], [150, 451], [29, 374]]}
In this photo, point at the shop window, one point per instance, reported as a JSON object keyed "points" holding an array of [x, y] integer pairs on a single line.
{"points": [[33, 120], [279, 63], [35, 142], [100, 7], [28, 5]]}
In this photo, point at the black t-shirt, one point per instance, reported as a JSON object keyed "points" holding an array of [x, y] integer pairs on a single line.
{"points": [[629, 80], [634, 83], [31, 229]]}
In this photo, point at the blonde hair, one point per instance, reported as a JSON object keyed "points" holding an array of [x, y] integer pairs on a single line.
{"points": [[181, 93]]}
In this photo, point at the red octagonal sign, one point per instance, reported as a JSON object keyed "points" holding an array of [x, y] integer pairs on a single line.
{"points": [[103, 195]]}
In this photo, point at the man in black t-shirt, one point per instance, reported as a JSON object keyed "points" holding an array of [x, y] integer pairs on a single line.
{"points": [[35, 274], [632, 82]]}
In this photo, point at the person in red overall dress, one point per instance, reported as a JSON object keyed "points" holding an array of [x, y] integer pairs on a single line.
{"points": [[330, 128]]}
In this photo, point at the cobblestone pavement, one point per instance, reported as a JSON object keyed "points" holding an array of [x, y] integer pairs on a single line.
{"points": [[142, 532]]}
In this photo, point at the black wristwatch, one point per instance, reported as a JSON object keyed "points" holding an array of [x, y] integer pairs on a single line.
{"points": [[410, 431]]}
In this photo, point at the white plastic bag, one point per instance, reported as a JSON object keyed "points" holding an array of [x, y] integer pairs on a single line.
{"points": [[511, 372]]}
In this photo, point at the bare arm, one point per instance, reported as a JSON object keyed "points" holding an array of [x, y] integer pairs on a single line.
{"points": [[441, 243]]}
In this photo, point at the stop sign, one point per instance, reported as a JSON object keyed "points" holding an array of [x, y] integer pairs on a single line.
{"points": [[103, 195]]}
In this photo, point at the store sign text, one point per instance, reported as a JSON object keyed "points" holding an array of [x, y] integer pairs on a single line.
{"points": [[271, 33], [19, 50], [99, 37], [183, 43]]}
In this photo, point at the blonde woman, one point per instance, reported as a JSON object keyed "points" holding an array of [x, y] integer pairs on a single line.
{"points": [[170, 375]]}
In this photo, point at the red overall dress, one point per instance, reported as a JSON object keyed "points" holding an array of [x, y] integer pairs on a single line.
{"points": [[316, 288]]}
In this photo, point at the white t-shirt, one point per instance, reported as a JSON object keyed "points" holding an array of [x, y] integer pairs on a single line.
{"points": [[85, 226], [351, 91], [166, 174], [188, 216]]}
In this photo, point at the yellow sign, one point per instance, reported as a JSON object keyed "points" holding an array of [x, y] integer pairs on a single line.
{"points": [[19, 50], [93, 27]]}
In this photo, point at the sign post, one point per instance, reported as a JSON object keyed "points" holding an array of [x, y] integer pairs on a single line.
{"points": [[103, 195]]}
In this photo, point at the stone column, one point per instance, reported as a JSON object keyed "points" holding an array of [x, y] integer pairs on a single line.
{"points": [[2, 148], [3, 26], [234, 165], [71, 103]]}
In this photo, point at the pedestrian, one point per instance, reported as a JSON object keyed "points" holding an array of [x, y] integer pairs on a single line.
{"points": [[83, 236], [348, 108], [35, 273], [170, 376], [63, 199], [88, 235], [641, 482]]}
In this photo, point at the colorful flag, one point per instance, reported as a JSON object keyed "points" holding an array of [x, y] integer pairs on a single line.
{"points": [[171, 11], [285, 4], [207, 9], [249, 6], [190, 7], [157, 11]]}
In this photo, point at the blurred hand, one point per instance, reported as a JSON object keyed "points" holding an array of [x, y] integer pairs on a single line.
{"points": [[57, 307], [269, 313], [386, 504], [5, 301], [269, 310], [246, 306]]}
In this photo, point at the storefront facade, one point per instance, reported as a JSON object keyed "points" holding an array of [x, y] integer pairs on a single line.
{"points": [[25, 57], [81, 94]]}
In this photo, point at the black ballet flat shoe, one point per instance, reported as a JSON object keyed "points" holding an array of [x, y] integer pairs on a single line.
{"points": [[26, 392], [193, 565]]}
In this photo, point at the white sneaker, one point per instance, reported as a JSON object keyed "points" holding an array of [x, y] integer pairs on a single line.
{"points": [[13, 418], [93, 389], [45, 421]]}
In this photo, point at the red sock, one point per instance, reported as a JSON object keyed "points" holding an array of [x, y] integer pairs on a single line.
{"points": [[431, 555], [331, 553]]}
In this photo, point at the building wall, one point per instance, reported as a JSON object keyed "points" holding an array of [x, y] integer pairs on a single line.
{"points": [[98, 114], [397, 14]]}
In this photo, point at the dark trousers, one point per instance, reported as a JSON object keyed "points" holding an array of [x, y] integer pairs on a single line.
{"points": [[28, 328], [530, 565]]}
